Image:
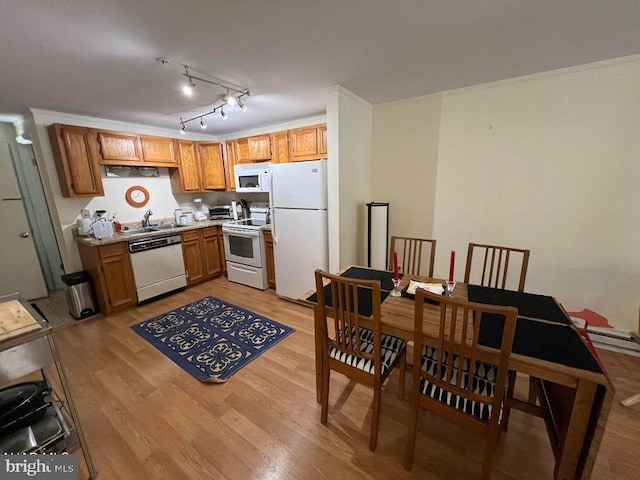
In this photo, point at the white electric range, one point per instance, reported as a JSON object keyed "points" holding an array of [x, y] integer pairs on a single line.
{"points": [[244, 249]]}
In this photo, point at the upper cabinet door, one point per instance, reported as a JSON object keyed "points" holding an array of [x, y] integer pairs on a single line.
{"points": [[212, 166], [322, 141], [304, 143], [158, 151], [259, 148], [280, 147], [74, 152], [230, 161], [189, 169], [242, 150], [117, 148]]}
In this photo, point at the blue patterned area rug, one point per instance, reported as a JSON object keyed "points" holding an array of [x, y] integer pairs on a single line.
{"points": [[211, 339]]}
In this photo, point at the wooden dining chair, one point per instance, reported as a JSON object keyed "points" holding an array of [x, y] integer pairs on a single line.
{"points": [[414, 255], [365, 355], [497, 263], [459, 379]]}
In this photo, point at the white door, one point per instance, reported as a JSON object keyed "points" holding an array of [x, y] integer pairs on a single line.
{"points": [[21, 271], [299, 185], [300, 246]]}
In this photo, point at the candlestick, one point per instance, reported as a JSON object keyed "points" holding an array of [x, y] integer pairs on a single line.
{"points": [[452, 265], [395, 266]]}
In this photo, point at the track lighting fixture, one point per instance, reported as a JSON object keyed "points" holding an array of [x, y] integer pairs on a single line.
{"points": [[232, 95]]}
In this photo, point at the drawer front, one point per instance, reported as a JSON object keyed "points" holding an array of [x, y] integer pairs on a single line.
{"points": [[210, 232], [113, 249], [193, 235]]}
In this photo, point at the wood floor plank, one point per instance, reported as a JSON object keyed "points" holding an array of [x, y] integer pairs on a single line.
{"points": [[144, 417]]}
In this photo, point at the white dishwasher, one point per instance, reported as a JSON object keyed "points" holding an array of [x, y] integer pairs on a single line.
{"points": [[158, 266]]}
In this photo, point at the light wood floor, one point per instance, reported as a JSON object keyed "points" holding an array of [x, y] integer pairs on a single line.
{"points": [[145, 417]]}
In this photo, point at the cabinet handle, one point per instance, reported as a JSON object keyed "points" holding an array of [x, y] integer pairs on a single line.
{"points": [[24, 234]]}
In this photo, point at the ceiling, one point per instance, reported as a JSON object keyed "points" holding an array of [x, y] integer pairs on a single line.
{"points": [[98, 57]]}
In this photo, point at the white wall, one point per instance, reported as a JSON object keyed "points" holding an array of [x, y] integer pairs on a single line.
{"points": [[404, 160], [547, 162], [349, 151]]}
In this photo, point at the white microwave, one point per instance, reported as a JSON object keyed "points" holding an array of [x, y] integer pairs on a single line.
{"points": [[252, 177]]}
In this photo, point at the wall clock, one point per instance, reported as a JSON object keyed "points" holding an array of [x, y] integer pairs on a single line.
{"points": [[137, 196]]}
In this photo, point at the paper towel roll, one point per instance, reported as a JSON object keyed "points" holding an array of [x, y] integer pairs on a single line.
{"points": [[378, 234]]}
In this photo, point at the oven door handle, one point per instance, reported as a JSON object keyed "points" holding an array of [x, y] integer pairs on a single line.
{"points": [[241, 232]]}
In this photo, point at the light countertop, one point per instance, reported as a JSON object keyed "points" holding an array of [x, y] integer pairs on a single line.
{"points": [[121, 237]]}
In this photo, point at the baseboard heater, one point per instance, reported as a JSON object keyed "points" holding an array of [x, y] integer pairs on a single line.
{"points": [[614, 340]]}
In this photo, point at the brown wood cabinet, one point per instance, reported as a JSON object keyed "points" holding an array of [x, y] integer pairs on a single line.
{"points": [[187, 177], [229, 162], [110, 268], [322, 141], [212, 166], [75, 156], [118, 148], [201, 167], [253, 149], [280, 147], [223, 257], [192, 254], [211, 252], [308, 143], [159, 151], [269, 259], [201, 252], [259, 148]]}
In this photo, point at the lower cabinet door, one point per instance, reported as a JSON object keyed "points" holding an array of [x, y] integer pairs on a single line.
{"points": [[211, 252], [192, 253], [269, 258], [223, 258], [118, 281]]}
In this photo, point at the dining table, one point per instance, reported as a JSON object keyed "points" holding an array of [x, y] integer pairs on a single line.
{"points": [[572, 391]]}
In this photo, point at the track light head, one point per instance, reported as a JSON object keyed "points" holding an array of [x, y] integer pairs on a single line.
{"points": [[229, 99], [242, 106], [183, 129], [187, 88], [202, 124], [223, 114]]}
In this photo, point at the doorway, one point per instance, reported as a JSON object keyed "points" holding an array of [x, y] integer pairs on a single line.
{"points": [[30, 256]]}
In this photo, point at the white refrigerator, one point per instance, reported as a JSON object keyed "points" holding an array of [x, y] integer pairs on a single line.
{"points": [[298, 201]]}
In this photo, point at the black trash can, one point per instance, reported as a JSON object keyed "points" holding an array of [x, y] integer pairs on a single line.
{"points": [[80, 297]]}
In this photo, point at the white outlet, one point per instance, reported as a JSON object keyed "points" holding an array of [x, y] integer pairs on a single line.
{"points": [[85, 213]]}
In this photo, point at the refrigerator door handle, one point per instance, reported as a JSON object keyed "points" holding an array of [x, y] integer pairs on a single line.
{"points": [[274, 236]]}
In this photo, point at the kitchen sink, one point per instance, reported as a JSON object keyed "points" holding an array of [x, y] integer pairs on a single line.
{"points": [[156, 228], [133, 231], [171, 226]]}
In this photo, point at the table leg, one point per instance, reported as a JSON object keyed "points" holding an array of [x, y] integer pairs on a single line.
{"points": [[319, 359], [574, 440]]}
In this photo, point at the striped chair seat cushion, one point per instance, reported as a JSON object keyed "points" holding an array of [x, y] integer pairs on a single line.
{"points": [[484, 383], [391, 348]]}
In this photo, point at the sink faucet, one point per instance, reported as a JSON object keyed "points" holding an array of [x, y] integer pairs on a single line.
{"points": [[145, 220]]}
